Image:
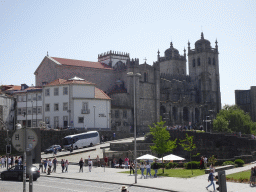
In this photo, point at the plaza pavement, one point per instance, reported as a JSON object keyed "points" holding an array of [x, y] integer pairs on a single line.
{"points": [[113, 175]]}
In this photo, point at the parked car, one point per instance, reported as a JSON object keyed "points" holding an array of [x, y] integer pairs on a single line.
{"points": [[16, 173], [51, 149]]}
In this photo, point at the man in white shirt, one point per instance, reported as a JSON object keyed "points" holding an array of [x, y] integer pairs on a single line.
{"points": [[9, 161], [2, 162], [205, 162]]}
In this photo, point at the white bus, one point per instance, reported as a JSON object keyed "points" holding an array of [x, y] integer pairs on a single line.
{"points": [[81, 140]]}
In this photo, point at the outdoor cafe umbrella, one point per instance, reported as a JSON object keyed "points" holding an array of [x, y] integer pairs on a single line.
{"points": [[147, 157], [172, 157]]}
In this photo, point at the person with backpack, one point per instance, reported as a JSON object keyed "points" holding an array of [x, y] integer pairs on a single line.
{"points": [[210, 178]]}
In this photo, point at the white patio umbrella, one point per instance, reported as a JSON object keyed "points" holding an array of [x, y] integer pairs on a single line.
{"points": [[147, 157], [172, 157]]}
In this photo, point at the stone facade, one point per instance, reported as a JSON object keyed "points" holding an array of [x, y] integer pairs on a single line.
{"points": [[190, 99], [162, 88], [246, 100]]}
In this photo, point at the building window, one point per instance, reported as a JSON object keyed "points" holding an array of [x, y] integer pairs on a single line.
{"points": [[29, 111], [194, 62], [85, 106], [116, 114], [56, 91], [145, 77], [56, 122], [56, 106], [124, 114], [34, 97], [44, 83], [19, 98], [29, 97], [213, 61], [209, 61], [19, 111], [65, 90], [47, 107], [34, 123], [47, 92], [65, 121], [198, 62], [39, 97], [39, 110], [47, 120], [80, 119], [24, 113], [34, 110], [24, 98], [65, 106]]}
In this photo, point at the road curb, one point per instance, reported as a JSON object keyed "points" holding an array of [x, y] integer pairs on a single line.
{"points": [[110, 182]]}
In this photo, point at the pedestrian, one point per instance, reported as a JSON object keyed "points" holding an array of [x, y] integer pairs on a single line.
{"points": [[202, 163], [106, 161], [55, 151], [210, 178], [205, 162], [41, 165], [66, 165], [50, 165], [45, 165], [9, 162], [155, 167], [124, 189], [54, 165], [98, 160], [62, 165], [148, 167], [3, 161], [102, 138], [81, 164], [131, 167], [90, 165], [114, 135], [142, 168], [120, 162], [126, 162]]}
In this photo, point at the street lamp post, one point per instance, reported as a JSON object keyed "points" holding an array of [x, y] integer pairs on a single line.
{"points": [[94, 114], [134, 118]]}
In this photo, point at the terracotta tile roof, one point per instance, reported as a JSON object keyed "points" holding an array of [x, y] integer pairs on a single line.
{"points": [[11, 87], [99, 94], [67, 82], [81, 63]]}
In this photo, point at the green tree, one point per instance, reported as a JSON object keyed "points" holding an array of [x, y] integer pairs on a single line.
{"points": [[233, 119], [188, 145], [161, 139]]}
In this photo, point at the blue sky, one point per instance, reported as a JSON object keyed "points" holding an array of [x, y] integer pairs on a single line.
{"points": [[83, 29]]}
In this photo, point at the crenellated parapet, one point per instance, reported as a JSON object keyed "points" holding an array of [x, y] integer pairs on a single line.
{"points": [[116, 53]]}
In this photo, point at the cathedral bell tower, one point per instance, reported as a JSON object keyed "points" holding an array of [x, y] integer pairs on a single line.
{"points": [[204, 71]]}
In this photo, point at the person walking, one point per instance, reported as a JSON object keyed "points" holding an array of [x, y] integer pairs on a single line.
{"points": [[205, 162], [81, 164], [3, 161], [66, 165], [98, 160], [90, 165], [50, 165], [131, 167], [62, 165], [41, 165], [155, 167], [148, 167], [142, 168], [54, 162], [45, 165], [210, 178]]}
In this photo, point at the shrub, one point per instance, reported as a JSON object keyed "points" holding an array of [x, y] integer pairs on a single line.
{"points": [[228, 163], [171, 165], [195, 165], [239, 162]]}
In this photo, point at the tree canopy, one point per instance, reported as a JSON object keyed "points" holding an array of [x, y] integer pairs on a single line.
{"points": [[233, 119], [161, 139]]}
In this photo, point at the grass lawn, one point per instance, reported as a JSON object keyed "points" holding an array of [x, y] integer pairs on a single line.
{"points": [[243, 174], [182, 173]]}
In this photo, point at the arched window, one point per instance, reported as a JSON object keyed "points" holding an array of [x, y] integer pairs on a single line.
{"points": [[198, 61], [213, 61], [209, 61], [194, 62], [145, 77]]}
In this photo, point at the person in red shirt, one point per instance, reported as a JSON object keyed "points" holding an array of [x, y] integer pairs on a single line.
{"points": [[106, 161]]}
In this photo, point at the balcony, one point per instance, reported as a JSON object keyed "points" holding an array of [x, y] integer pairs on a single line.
{"points": [[85, 111]]}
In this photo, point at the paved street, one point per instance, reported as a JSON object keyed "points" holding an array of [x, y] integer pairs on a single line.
{"points": [[51, 184]]}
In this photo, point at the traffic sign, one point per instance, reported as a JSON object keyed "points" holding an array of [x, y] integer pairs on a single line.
{"points": [[18, 140]]}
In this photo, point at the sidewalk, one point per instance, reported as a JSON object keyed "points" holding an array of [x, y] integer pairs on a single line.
{"points": [[113, 175]]}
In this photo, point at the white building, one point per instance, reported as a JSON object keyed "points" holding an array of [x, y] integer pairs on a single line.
{"points": [[7, 112], [29, 106], [76, 103]]}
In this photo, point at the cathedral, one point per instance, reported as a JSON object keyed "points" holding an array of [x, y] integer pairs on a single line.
{"points": [[162, 89]]}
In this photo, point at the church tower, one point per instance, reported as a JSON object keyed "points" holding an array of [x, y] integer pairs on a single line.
{"points": [[204, 71]]}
